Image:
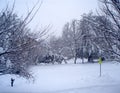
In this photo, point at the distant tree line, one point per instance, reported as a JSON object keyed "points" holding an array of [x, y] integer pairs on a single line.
{"points": [[93, 36]]}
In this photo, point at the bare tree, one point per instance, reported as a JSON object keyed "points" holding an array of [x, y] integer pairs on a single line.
{"points": [[89, 48], [100, 32], [71, 36], [16, 44], [111, 9]]}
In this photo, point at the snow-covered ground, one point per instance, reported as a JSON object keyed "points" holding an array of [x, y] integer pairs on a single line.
{"points": [[66, 78]]}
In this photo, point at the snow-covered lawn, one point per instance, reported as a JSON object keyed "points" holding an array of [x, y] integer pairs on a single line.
{"points": [[67, 78]]}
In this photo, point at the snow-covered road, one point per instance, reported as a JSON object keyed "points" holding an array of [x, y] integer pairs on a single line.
{"points": [[115, 88]]}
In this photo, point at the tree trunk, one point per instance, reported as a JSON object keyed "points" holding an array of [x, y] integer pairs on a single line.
{"points": [[82, 60], [90, 59], [75, 59]]}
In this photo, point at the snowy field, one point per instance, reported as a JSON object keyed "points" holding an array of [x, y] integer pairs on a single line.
{"points": [[66, 78]]}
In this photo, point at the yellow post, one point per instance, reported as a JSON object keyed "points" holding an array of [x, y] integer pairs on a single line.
{"points": [[100, 62]]}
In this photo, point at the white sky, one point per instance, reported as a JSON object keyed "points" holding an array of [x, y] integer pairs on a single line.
{"points": [[54, 12]]}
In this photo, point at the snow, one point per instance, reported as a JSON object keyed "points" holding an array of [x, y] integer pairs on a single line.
{"points": [[1, 50], [8, 63], [66, 78], [71, 61]]}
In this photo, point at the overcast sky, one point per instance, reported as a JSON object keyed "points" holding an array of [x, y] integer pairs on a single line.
{"points": [[54, 12]]}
